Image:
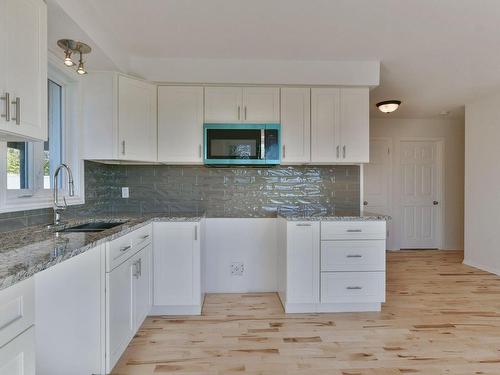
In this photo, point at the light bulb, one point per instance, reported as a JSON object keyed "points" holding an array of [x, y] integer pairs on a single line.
{"points": [[81, 69], [67, 59]]}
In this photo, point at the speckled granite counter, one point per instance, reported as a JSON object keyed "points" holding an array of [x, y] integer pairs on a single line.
{"points": [[334, 216], [25, 252]]}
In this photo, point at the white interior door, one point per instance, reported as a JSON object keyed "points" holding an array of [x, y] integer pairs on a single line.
{"points": [[420, 165]]}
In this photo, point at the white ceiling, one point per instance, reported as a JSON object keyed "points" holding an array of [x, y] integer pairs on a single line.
{"points": [[435, 54]]}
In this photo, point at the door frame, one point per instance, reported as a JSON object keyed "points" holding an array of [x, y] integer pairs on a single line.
{"points": [[440, 159]]}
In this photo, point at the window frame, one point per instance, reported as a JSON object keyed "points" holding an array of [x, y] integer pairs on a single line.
{"points": [[36, 196]]}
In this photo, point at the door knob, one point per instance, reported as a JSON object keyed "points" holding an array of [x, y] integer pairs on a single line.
{"points": [[365, 203], [435, 203]]}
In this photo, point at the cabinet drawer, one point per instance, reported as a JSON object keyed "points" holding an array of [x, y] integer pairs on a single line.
{"points": [[17, 309], [124, 247], [352, 287], [353, 255], [18, 356], [352, 230]]}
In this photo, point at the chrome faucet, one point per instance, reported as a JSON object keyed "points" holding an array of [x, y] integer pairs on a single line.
{"points": [[71, 191]]}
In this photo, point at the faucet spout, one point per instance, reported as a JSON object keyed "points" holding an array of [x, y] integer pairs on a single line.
{"points": [[71, 191]]}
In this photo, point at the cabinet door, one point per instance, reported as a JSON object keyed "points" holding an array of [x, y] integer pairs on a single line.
{"points": [[69, 302], [354, 125], [25, 60], [142, 285], [303, 262], [223, 104], [180, 124], [261, 105], [176, 264], [119, 312], [325, 143], [18, 356], [296, 125], [136, 120]]}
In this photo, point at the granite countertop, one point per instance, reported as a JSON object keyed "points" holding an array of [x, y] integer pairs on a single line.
{"points": [[25, 252], [334, 216]]}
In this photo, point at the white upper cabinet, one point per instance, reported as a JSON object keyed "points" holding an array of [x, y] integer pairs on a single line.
{"points": [[223, 104], [355, 125], [136, 119], [261, 104], [180, 124], [242, 104], [340, 125], [325, 142], [23, 70], [119, 118], [296, 125]]}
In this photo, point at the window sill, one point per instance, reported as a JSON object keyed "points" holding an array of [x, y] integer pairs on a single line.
{"points": [[33, 203]]}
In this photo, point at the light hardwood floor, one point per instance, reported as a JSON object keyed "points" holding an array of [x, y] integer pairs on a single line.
{"points": [[441, 317]]}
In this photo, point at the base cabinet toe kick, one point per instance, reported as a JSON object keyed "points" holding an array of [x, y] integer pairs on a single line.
{"points": [[331, 266]]}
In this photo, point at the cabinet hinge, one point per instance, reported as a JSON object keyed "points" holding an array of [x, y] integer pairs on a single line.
{"points": [[388, 151]]}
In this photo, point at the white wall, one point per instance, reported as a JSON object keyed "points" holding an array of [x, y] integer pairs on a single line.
{"points": [[452, 132], [482, 184], [250, 241]]}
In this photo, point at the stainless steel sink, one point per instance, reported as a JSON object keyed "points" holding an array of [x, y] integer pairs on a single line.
{"points": [[97, 226]]}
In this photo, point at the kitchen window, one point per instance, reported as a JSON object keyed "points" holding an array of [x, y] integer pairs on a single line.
{"points": [[26, 168]]}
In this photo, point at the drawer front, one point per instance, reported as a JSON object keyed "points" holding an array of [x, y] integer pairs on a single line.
{"points": [[353, 230], [18, 356], [354, 256], [352, 287], [17, 309], [118, 251], [142, 236]]}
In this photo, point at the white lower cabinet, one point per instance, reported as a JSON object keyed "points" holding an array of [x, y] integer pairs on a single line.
{"points": [[331, 266], [128, 301], [18, 356], [177, 268], [69, 302]]}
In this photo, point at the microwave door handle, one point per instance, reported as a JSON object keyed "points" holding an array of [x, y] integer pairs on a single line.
{"points": [[262, 143]]}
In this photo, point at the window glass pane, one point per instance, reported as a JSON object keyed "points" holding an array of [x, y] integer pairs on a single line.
{"points": [[52, 149], [17, 165]]}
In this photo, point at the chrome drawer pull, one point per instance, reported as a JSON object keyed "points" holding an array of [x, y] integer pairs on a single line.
{"points": [[303, 225], [125, 248], [354, 230], [144, 237], [354, 256], [354, 288]]}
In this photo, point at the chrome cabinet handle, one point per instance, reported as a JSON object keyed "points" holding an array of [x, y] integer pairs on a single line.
{"points": [[354, 230], [196, 232], [125, 248], [140, 266], [343, 152], [338, 151], [199, 151], [123, 147], [354, 288], [245, 112], [303, 225], [17, 103], [136, 269], [6, 98], [354, 256], [283, 152], [239, 112], [145, 236]]}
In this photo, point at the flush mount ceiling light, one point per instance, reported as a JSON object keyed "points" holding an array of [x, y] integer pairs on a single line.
{"points": [[71, 46], [388, 106]]}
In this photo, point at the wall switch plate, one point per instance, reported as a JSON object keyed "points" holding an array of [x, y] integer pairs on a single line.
{"points": [[237, 269], [125, 193]]}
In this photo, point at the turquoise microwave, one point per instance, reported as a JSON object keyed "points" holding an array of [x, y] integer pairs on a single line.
{"points": [[242, 144]]}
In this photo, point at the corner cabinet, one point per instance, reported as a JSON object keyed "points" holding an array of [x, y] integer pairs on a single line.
{"points": [[180, 124], [177, 268], [340, 125], [23, 70], [242, 104], [119, 117]]}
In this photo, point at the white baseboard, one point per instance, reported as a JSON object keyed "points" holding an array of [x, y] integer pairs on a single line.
{"points": [[489, 269], [294, 308], [176, 310]]}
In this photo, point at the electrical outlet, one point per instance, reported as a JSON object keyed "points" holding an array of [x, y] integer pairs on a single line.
{"points": [[237, 269], [125, 193]]}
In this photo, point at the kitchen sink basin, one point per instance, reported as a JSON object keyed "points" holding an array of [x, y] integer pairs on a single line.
{"points": [[97, 226]]}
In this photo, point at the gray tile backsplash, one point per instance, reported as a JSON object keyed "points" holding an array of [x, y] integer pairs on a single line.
{"points": [[224, 192]]}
